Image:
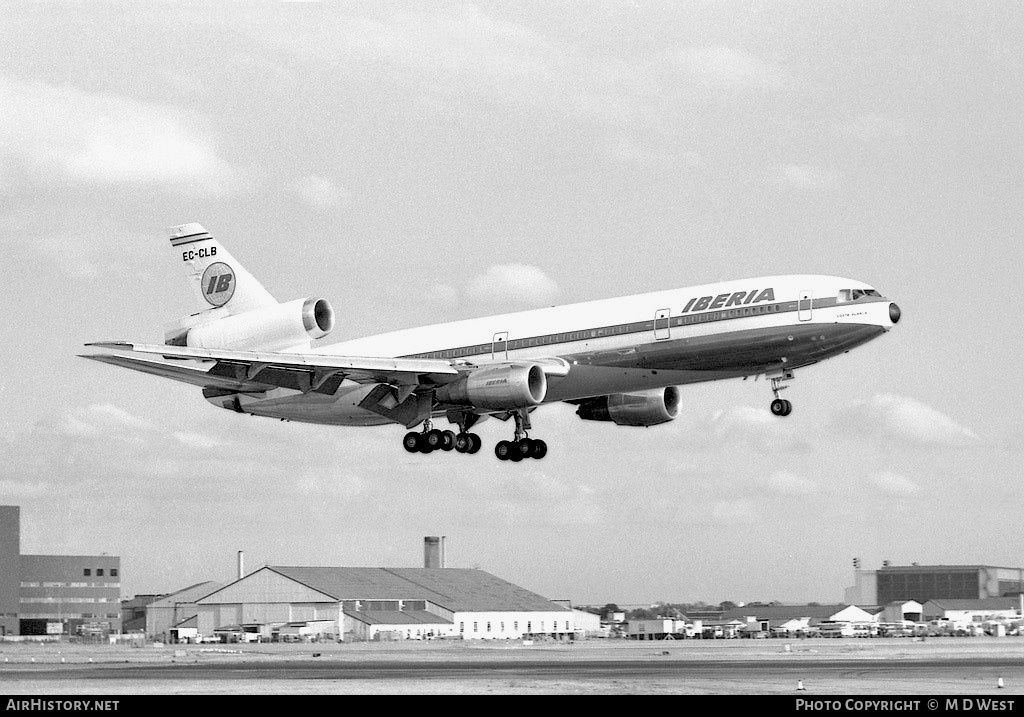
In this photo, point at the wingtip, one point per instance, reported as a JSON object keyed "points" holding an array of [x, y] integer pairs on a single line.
{"points": [[110, 344]]}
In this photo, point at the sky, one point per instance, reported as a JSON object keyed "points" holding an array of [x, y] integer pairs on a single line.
{"points": [[417, 163]]}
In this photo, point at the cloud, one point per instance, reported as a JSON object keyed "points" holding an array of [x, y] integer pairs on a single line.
{"points": [[741, 510], [787, 484], [515, 284], [723, 67], [894, 484], [100, 419], [873, 126], [197, 440], [756, 427], [61, 133], [899, 419], [805, 176], [320, 192]]}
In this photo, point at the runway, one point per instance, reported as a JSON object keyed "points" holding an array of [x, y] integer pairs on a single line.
{"points": [[824, 669]]}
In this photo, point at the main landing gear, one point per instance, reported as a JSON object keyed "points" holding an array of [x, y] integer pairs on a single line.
{"points": [[432, 439], [522, 446], [780, 406]]}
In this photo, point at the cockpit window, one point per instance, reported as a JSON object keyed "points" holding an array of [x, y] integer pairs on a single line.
{"points": [[854, 294]]}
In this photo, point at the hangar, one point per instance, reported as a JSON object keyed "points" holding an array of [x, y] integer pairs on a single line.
{"points": [[338, 603], [892, 583]]}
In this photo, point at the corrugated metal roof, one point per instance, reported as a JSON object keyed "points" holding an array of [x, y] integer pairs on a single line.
{"points": [[995, 603], [782, 612], [456, 589], [187, 595], [394, 617]]}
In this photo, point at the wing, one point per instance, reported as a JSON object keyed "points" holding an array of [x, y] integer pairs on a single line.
{"points": [[404, 391], [251, 371]]}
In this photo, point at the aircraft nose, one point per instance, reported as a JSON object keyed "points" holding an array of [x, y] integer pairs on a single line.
{"points": [[894, 313]]}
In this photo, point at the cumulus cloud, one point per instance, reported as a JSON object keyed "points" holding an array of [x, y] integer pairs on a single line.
{"points": [[514, 284], [320, 192], [197, 440], [741, 510], [725, 67], [894, 484], [61, 133], [901, 419], [805, 176], [787, 484], [756, 427], [99, 419]]}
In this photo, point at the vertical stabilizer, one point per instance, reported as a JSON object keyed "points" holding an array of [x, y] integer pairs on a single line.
{"points": [[218, 280]]}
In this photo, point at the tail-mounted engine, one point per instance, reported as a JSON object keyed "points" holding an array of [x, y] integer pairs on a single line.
{"points": [[644, 408], [269, 328], [498, 388]]}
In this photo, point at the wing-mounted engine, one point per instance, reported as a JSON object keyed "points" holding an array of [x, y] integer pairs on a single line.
{"points": [[503, 387], [269, 328], [644, 408]]}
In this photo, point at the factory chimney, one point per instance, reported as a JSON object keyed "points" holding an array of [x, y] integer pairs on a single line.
{"points": [[241, 565], [433, 552]]}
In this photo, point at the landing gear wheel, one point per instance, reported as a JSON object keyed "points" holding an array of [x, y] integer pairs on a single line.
{"points": [[474, 443], [411, 442], [525, 447], [463, 443], [503, 450], [781, 407], [448, 440], [434, 438], [539, 449]]}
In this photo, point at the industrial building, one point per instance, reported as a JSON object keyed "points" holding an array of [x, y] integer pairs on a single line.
{"points": [[337, 603], [281, 603], [892, 583], [55, 594]]}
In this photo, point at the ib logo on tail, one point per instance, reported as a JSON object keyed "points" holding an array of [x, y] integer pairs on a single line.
{"points": [[218, 283]]}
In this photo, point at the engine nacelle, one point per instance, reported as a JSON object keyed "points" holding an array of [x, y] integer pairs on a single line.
{"points": [[271, 328], [644, 408], [498, 388]]}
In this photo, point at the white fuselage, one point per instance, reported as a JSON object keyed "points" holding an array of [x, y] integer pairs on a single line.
{"points": [[764, 325]]}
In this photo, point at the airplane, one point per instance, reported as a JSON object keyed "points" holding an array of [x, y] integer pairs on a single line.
{"points": [[620, 360]]}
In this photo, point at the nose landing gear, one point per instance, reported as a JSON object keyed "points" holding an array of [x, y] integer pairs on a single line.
{"points": [[780, 406]]}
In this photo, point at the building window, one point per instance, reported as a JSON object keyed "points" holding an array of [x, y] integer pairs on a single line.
{"points": [[99, 572], [113, 572], [462, 627], [87, 572], [475, 628], [488, 626], [515, 625]]}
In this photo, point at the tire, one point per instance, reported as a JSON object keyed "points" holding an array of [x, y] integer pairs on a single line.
{"points": [[411, 442], [463, 443], [539, 449], [503, 450], [779, 407], [474, 443], [449, 440], [525, 447], [435, 439]]}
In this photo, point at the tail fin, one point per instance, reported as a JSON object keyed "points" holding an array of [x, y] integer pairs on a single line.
{"points": [[219, 281]]}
